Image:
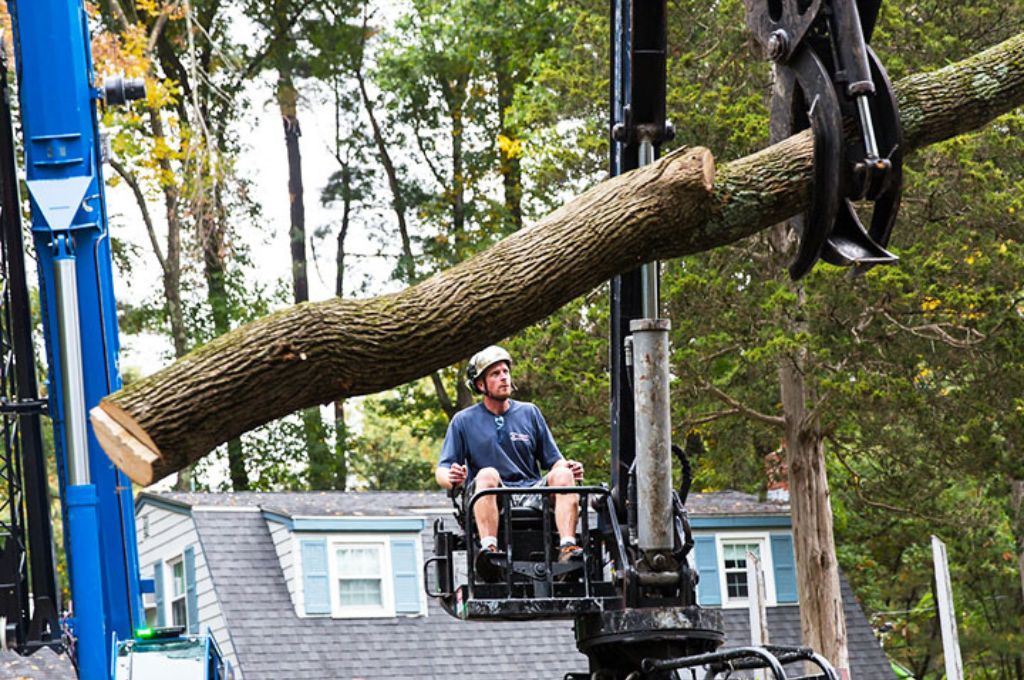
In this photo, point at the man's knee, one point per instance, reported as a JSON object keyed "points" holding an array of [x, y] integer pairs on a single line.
{"points": [[561, 476], [488, 478]]}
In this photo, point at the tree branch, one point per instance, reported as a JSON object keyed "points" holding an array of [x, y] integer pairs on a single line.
{"points": [[777, 421], [935, 331], [140, 199], [712, 417], [318, 352]]}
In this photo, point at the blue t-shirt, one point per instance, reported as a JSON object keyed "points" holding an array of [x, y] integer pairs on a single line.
{"points": [[513, 443]]}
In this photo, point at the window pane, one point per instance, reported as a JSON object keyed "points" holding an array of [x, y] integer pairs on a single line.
{"points": [[734, 560], [178, 578], [360, 592], [736, 584], [359, 561], [738, 552], [179, 615]]}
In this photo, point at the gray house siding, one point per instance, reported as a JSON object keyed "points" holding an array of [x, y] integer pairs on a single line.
{"points": [[284, 546], [169, 534]]}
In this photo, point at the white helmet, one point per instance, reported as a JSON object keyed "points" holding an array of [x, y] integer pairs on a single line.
{"points": [[483, 360]]}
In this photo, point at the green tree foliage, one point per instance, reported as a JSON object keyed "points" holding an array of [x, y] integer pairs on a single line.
{"points": [[391, 455]]}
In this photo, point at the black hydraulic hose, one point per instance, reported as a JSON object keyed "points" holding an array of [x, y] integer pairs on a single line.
{"points": [[716, 659], [687, 481]]}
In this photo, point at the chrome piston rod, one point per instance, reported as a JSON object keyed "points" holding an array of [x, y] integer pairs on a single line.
{"points": [[648, 271], [70, 339]]}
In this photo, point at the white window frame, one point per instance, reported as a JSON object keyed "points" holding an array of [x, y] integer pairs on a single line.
{"points": [[387, 585], [763, 540], [170, 597]]}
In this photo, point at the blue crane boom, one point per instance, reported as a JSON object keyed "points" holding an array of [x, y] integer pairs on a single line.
{"points": [[104, 629], [58, 105]]}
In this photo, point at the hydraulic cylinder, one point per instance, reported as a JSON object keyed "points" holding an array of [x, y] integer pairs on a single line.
{"points": [[653, 434]]}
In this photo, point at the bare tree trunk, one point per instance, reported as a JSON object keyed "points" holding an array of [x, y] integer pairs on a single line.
{"points": [[287, 97], [172, 269], [212, 224], [407, 268], [340, 426], [319, 352], [822, 622], [510, 167], [321, 463]]}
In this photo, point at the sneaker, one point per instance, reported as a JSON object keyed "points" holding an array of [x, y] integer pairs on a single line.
{"points": [[485, 566], [570, 553]]}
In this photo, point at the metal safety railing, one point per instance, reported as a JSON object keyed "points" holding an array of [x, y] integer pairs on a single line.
{"points": [[770, 657], [550, 570]]}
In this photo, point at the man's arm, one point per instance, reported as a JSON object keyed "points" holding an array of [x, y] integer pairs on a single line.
{"points": [[447, 477], [451, 470], [548, 452], [574, 466]]}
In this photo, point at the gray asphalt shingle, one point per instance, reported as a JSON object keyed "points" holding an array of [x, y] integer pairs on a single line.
{"points": [[43, 665]]}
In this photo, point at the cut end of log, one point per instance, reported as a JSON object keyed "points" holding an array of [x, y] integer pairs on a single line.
{"points": [[126, 450], [707, 161]]}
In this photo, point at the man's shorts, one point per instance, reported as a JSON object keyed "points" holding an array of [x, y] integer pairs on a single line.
{"points": [[519, 500]]}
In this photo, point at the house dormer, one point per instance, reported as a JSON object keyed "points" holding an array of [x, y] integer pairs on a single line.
{"points": [[730, 524], [350, 566]]}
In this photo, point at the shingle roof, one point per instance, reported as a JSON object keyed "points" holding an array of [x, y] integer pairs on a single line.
{"points": [[331, 503], [43, 665], [272, 642]]}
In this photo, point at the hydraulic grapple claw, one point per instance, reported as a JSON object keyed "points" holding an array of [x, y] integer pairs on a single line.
{"points": [[803, 97], [826, 73]]}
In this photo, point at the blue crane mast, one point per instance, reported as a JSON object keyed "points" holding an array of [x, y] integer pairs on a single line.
{"points": [[70, 235]]}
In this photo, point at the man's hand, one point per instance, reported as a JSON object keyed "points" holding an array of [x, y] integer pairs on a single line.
{"points": [[456, 474], [576, 468]]}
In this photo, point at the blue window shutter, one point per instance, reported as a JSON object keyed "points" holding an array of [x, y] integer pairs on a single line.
{"points": [[158, 585], [191, 600], [406, 574], [708, 591], [315, 585], [785, 568]]}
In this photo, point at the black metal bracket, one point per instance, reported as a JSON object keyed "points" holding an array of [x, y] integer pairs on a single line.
{"points": [[24, 407], [772, 657]]}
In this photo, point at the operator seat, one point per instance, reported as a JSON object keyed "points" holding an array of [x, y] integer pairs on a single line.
{"points": [[532, 583]]}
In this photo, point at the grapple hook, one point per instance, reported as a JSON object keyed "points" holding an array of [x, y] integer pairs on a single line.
{"points": [[803, 97]]}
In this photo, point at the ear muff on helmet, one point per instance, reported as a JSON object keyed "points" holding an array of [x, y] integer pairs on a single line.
{"points": [[482, 361]]}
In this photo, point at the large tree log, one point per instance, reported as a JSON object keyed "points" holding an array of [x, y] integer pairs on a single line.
{"points": [[319, 352]]}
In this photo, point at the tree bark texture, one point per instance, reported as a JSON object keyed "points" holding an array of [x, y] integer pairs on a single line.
{"points": [[313, 353], [822, 622]]}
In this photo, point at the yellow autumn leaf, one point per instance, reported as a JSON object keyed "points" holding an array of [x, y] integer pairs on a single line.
{"points": [[1003, 249], [510, 148], [930, 304]]}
